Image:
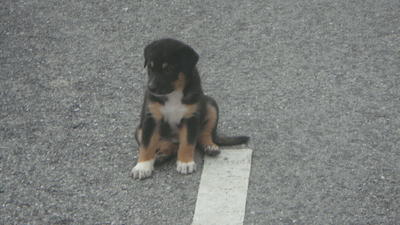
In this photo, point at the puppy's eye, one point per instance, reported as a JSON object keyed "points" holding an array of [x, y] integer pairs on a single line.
{"points": [[167, 68]]}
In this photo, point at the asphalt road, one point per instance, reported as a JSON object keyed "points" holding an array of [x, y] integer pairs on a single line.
{"points": [[316, 84]]}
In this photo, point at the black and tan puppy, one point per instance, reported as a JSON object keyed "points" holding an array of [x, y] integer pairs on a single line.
{"points": [[176, 116]]}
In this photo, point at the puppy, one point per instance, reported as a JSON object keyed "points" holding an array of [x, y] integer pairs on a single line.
{"points": [[176, 115]]}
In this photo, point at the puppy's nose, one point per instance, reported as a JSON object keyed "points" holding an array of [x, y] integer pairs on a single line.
{"points": [[152, 87]]}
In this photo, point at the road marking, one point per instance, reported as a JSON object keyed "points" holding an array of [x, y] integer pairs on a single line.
{"points": [[223, 188]]}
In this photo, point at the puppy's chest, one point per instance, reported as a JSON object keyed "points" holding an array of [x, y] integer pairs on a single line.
{"points": [[173, 110]]}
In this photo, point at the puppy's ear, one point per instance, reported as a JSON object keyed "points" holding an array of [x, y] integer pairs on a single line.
{"points": [[188, 58], [146, 53]]}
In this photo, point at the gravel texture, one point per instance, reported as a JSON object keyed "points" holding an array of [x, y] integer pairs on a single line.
{"points": [[316, 84]]}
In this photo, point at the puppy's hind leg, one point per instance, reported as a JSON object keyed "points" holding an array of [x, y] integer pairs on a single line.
{"points": [[208, 131], [165, 151]]}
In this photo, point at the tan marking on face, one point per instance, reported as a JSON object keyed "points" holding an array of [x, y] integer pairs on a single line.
{"points": [[190, 110], [185, 150], [155, 110], [205, 137], [146, 154], [164, 65], [180, 83]]}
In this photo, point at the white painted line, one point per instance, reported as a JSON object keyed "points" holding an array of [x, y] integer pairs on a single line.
{"points": [[223, 188]]}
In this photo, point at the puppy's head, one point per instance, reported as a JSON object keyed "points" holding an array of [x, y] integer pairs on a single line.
{"points": [[169, 64]]}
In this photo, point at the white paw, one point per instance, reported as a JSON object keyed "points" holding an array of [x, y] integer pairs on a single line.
{"points": [[212, 150], [143, 169], [185, 168]]}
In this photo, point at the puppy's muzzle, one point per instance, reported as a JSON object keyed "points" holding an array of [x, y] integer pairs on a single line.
{"points": [[157, 89]]}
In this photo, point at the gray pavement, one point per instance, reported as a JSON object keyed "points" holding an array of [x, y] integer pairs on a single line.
{"points": [[314, 83]]}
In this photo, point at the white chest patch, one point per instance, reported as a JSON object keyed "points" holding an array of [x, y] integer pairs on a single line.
{"points": [[173, 109]]}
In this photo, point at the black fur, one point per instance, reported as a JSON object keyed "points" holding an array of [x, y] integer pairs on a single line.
{"points": [[148, 129], [193, 128]]}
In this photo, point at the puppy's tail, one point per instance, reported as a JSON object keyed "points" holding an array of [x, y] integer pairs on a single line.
{"points": [[227, 141]]}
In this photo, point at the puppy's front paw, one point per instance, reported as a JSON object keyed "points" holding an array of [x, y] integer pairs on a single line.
{"points": [[185, 168], [143, 169]]}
